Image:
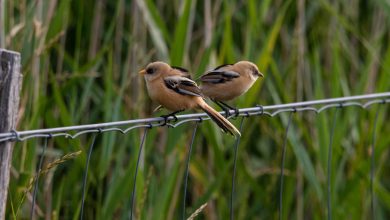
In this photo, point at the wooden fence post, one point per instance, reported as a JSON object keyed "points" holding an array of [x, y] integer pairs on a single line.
{"points": [[10, 85]]}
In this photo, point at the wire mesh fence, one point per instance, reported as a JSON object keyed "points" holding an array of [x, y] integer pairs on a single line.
{"points": [[124, 127]]}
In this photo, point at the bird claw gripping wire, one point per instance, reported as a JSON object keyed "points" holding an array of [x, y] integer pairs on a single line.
{"points": [[229, 115], [166, 119], [236, 113], [226, 108]]}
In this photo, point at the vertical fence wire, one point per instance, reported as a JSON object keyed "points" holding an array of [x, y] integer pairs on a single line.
{"points": [[86, 175], [136, 171], [282, 166], [187, 169], [372, 168], [37, 178], [236, 144], [329, 198]]}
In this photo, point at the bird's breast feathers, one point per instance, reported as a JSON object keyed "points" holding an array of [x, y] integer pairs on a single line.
{"points": [[175, 93]]}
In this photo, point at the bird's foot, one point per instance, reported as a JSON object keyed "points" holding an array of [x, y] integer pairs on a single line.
{"points": [[236, 112], [166, 117], [227, 113], [225, 107], [234, 115]]}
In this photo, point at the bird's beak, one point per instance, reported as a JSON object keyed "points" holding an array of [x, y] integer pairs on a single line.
{"points": [[142, 72], [260, 74]]}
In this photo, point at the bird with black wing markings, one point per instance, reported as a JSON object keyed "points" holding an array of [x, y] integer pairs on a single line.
{"points": [[229, 81], [177, 93]]}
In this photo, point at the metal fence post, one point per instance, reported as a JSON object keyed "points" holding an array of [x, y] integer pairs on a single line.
{"points": [[10, 85]]}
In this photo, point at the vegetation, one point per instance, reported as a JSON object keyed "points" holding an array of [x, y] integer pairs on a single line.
{"points": [[80, 63]]}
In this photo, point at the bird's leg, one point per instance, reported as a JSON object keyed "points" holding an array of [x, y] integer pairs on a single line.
{"points": [[236, 112], [226, 110], [173, 114]]}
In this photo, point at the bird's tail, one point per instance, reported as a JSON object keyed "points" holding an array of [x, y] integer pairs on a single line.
{"points": [[222, 122]]}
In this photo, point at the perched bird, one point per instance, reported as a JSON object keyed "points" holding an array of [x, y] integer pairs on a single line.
{"points": [[178, 93], [229, 81], [175, 71]]}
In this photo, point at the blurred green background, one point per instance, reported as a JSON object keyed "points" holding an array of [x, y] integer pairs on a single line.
{"points": [[80, 61]]}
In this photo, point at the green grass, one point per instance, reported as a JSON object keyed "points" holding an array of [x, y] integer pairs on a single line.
{"points": [[80, 62]]}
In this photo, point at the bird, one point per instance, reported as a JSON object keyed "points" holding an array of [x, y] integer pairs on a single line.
{"points": [[176, 70], [177, 93], [228, 81]]}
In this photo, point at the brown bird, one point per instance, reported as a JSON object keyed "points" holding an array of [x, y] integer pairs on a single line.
{"points": [[175, 71], [229, 81], [177, 93]]}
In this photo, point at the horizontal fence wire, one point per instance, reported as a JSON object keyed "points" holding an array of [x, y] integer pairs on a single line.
{"points": [[317, 106]]}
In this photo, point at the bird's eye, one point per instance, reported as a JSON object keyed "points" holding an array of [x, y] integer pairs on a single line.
{"points": [[255, 72], [150, 71]]}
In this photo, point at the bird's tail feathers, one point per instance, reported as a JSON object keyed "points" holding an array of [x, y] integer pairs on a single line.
{"points": [[221, 121]]}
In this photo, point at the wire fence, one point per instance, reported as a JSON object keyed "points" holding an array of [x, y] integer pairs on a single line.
{"points": [[317, 106]]}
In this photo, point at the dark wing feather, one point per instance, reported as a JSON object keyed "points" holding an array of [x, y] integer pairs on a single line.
{"points": [[219, 76], [182, 85], [183, 71], [221, 66]]}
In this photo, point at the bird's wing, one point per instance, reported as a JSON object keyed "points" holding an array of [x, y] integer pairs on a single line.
{"points": [[219, 76], [184, 72], [182, 85], [222, 66]]}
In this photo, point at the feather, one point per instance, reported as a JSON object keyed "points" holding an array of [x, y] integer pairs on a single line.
{"points": [[219, 76], [223, 65], [182, 85]]}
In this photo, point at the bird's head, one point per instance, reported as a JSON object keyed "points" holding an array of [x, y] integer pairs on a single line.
{"points": [[154, 70], [250, 69]]}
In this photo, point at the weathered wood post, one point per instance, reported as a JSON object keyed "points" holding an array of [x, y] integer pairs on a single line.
{"points": [[10, 85]]}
